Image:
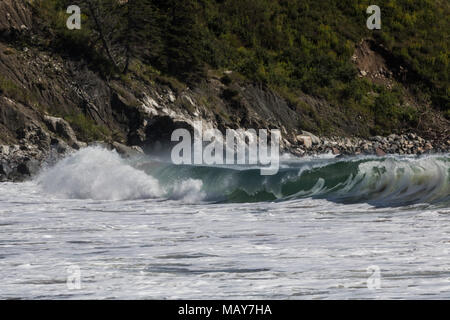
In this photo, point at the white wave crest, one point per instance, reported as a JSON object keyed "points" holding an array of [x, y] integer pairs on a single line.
{"points": [[100, 174], [188, 191]]}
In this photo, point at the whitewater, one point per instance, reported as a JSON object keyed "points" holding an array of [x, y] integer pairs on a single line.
{"points": [[143, 228]]}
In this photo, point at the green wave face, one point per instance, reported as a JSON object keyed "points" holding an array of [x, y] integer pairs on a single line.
{"points": [[388, 181]]}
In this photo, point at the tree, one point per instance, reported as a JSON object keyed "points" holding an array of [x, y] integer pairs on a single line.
{"points": [[99, 14], [184, 38], [141, 33]]}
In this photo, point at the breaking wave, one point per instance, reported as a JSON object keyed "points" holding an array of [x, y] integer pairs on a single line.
{"points": [[96, 173], [100, 174]]}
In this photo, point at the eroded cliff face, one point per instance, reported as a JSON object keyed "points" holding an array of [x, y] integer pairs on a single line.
{"points": [[51, 104]]}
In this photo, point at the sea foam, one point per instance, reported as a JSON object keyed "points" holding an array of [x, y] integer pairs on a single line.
{"points": [[97, 173]]}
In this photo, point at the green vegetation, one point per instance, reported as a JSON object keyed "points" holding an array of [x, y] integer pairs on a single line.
{"points": [[13, 91], [85, 128], [9, 88], [388, 114], [290, 46]]}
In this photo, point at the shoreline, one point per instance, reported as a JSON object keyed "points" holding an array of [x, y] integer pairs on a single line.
{"points": [[406, 144], [22, 161]]}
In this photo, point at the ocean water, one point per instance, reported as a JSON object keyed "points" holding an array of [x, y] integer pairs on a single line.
{"points": [[95, 226]]}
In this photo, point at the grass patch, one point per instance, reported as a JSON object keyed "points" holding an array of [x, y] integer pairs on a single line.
{"points": [[12, 90], [173, 83], [86, 129]]}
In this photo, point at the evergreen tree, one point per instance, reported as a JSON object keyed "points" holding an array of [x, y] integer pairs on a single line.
{"points": [[183, 43], [141, 34]]}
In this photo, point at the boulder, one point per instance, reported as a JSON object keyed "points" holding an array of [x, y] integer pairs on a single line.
{"points": [[314, 139], [335, 150], [61, 127], [60, 146], [306, 141], [28, 167], [77, 145], [379, 152], [299, 152], [4, 150], [365, 148], [126, 151], [5, 169], [394, 137], [138, 149]]}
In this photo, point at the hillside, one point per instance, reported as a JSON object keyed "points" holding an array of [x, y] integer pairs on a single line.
{"points": [[138, 69], [294, 48]]}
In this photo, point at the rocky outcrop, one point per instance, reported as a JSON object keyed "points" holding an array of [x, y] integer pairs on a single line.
{"points": [[405, 144], [63, 129], [126, 151], [305, 141], [308, 139], [27, 142]]}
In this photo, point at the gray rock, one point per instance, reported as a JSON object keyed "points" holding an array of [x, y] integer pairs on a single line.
{"points": [[4, 150], [299, 152], [379, 152], [61, 127], [126, 150], [335, 150], [314, 139], [60, 146], [138, 149], [394, 137], [77, 145], [5, 168], [378, 139], [28, 167], [305, 140]]}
